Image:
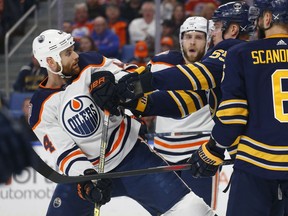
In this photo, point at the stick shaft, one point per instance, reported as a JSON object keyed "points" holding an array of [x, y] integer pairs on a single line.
{"points": [[104, 140], [184, 133]]}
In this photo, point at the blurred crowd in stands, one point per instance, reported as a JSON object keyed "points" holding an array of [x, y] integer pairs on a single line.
{"points": [[10, 12]]}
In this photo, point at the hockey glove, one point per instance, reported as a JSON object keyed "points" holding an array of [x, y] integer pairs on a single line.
{"points": [[134, 85], [103, 91], [206, 160], [98, 192]]}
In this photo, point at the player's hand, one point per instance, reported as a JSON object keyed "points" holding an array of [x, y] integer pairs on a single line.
{"points": [[134, 85], [15, 150], [99, 192], [206, 160], [103, 91]]}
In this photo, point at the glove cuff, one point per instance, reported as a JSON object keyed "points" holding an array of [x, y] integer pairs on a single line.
{"points": [[209, 156]]}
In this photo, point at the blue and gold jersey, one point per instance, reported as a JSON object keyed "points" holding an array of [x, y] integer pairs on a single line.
{"points": [[203, 75], [254, 107]]}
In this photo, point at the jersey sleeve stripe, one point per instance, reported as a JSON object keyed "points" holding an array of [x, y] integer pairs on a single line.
{"points": [[173, 96], [232, 112], [119, 138], [188, 75], [202, 80], [260, 164], [68, 157], [173, 146], [209, 77]]}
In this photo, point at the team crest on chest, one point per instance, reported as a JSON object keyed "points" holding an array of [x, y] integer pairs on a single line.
{"points": [[81, 117]]}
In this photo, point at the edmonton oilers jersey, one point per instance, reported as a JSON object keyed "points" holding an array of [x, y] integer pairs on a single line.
{"points": [[253, 112], [68, 123]]}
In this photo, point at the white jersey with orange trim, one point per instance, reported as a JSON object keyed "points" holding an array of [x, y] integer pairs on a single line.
{"points": [[69, 124], [178, 148]]}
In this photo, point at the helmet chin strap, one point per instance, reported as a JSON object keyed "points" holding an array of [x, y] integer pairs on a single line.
{"points": [[59, 72]]}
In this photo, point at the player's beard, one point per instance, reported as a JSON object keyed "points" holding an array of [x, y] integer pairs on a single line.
{"points": [[71, 70], [260, 30], [193, 58]]}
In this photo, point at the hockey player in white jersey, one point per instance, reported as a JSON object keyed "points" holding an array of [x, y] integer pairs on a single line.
{"points": [[68, 123], [194, 38]]}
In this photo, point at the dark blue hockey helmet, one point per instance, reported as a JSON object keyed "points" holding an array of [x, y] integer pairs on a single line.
{"points": [[278, 8], [234, 12]]}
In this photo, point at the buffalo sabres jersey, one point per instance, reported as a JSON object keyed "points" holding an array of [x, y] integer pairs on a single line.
{"points": [[253, 112], [204, 75], [69, 124], [178, 148]]}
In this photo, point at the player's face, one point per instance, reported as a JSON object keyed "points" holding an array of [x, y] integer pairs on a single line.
{"points": [[69, 60], [194, 44], [217, 33]]}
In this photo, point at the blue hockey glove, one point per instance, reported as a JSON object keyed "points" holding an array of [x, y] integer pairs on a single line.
{"points": [[134, 85], [15, 150], [103, 91], [206, 160], [99, 192]]}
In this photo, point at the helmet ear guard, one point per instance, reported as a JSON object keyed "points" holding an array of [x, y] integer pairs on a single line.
{"points": [[49, 44]]}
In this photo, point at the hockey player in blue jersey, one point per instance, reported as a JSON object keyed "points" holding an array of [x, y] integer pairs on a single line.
{"points": [[68, 123], [231, 28], [253, 113]]}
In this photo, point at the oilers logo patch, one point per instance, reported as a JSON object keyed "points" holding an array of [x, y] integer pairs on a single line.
{"points": [[81, 117]]}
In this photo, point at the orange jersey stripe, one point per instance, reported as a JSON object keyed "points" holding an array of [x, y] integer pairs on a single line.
{"points": [[63, 162], [116, 143], [41, 111], [173, 146]]}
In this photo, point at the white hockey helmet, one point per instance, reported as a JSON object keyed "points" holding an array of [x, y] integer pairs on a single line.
{"points": [[194, 23], [49, 44]]}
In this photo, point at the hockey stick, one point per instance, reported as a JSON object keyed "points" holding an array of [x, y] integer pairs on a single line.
{"points": [[42, 168], [103, 146], [152, 135]]}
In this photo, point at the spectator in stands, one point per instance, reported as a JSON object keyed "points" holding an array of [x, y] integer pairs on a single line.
{"points": [[208, 10], [143, 28], [116, 23], [86, 44], [167, 43], [105, 39], [10, 13], [82, 25], [23, 122], [95, 8], [67, 26], [178, 17], [29, 77], [166, 9], [195, 7], [141, 54], [168, 31], [130, 10]]}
